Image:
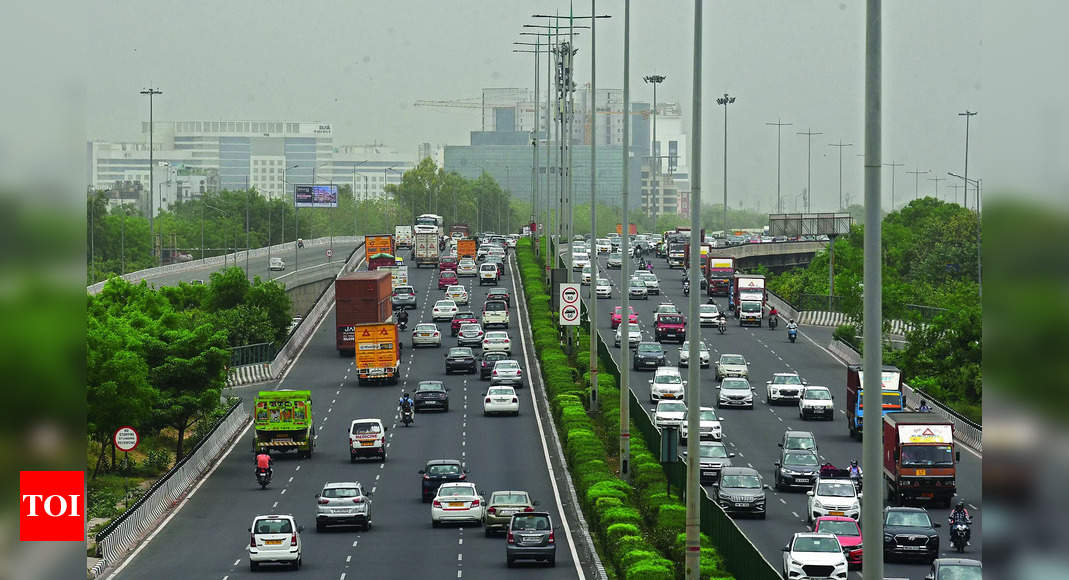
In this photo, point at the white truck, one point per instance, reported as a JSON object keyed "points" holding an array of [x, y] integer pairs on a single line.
{"points": [[425, 251], [403, 236]]}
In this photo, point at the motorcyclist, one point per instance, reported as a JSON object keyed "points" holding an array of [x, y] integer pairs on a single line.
{"points": [[686, 286], [924, 408], [402, 317], [405, 403], [855, 469], [960, 513], [264, 463], [300, 243], [773, 312], [792, 325]]}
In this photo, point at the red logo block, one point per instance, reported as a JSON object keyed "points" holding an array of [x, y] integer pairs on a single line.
{"points": [[52, 506]]}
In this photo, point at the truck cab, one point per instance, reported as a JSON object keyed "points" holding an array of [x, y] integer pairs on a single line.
{"points": [[891, 385], [919, 458]]}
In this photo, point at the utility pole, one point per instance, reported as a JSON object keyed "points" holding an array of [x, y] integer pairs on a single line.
{"points": [[247, 239], [840, 146], [725, 101], [655, 180], [593, 317], [965, 199], [809, 169], [871, 446], [151, 176], [692, 558], [956, 187], [625, 261], [779, 125], [916, 181], [893, 167], [936, 180]]}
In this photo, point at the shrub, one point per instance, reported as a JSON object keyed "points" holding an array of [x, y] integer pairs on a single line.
{"points": [[617, 532], [591, 473], [621, 515], [158, 460], [671, 516], [605, 503], [624, 544], [846, 333], [610, 488], [628, 559], [648, 473], [654, 569]]}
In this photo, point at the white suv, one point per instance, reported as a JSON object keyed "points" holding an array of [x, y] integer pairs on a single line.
{"points": [[667, 383], [495, 313], [367, 437], [807, 551], [488, 273], [784, 387], [274, 539], [833, 497], [816, 402]]}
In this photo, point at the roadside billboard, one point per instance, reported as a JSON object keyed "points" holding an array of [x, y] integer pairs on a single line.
{"points": [[315, 195]]}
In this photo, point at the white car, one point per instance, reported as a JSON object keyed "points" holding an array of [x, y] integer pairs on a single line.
{"points": [[833, 497], [426, 334], [275, 539], [732, 365], [495, 313], [367, 437], [470, 334], [587, 275], [467, 267], [497, 340], [653, 286], [634, 334], [488, 273], [734, 392], [501, 399], [603, 245], [603, 289], [708, 425], [808, 551], [276, 264], [457, 293], [458, 502], [443, 310], [667, 383], [615, 261], [669, 414], [784, 387], [816, 402], [707, 314], [636, 288], [684, 354], [580, 259]]}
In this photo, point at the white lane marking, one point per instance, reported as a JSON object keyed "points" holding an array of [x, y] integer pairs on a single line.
{"points": [[274, 505], [342, 576], [348, 559], [460, 573], [283, 492], [298, 468], [783, 501], [141, 546], [460, 541], [236, 562], [460, 557], [795, 514], [354, 543]]}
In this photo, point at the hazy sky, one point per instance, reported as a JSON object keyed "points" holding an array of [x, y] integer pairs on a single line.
{"points": [[361, 65]]}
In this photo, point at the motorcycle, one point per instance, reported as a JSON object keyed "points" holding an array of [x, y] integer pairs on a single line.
{"points": [[263, 477], [402, 324], [959, 534], [773, 321], [792, 334], [406, 416], [722, 326], [686, 288]]}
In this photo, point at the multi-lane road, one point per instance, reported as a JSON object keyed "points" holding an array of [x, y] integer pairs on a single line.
{"points": [[207, 537], [754, 434]]}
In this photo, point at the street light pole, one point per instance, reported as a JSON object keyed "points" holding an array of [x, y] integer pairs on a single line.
{"points": [[655, 180], [840, 146], [593, 318], [625, 258], [779, 125], [725, 101], [692, 559], [965, 199], [809, 169], [151, 175]]}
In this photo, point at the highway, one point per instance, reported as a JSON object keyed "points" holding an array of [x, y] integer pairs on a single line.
{"points": [[754, 434], [207, 537]]}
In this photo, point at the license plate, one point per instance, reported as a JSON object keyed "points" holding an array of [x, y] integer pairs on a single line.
{"points": [[367, 443], [801, 480], [836, 513], [532, 538], [502, 400], [377, 371], [506, 512], [273, 542], [741, 505], [915, 548], [456, 504], [922, 472], [340, 510], [928, 495]]}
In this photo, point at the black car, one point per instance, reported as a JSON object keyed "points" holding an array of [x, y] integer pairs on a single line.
{"points": [[430, 395], [909, 532], [437, 472], [740, 491], [649, 355], [797, 468], [487, 360], [530, 537], [956, 568], [460, 358], [500, 294]]}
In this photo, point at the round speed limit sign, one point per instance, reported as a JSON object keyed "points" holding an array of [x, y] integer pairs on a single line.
{"points": [[569, 313], [330, 252]]}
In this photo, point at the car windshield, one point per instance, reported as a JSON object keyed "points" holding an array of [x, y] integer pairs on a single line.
{"points": [[839, 528], [817, 395], [456, 288], [495, 305], [506, 365], [445, 304], [530, 523], [614, 256], [835, 489], [274, 526], [430, 386], [670, 319], [672, 407], [707, 309], [342, 492], [708, 415], [470, 328], [446, 274], [800, 443], [426, 327], [800, 459], [509, 498], [405, 290], [619, 311], [497, 336], [735, 385], [908, 519], [713, 450], [741, 481], [701, 347], [586, 269], [443, 469], [927, 456], [462, 351], [667, 378], [786, 380], [816, 544], [494, 355], [603, 282], [637, 283], [629, 328], [463, 315], [501, 391], [650, 348], [366, 427], [956, 572], [751, 307], [454, 491], [732, 359]]}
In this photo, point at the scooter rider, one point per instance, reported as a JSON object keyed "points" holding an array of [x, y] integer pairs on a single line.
{"points": [[855, 470], [405, 403], [792, 325], [924, 408]]}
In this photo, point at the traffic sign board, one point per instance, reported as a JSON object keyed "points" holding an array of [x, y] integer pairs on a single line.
{"points": [[569, 304], [569, 315], [125, 438], [569, 293], [330, 252]]}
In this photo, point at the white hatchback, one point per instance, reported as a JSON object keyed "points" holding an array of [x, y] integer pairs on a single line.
{"points": [[501, 399], [816, 402], [457, 502], [603, 289], [275, 539]]}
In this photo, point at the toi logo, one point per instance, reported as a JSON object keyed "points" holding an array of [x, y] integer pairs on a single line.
{"points": [[52, 506]]}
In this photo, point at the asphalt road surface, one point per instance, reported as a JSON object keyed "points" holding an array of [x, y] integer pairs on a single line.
{"points": [[313, 263], [207, 537], [754, 434]]}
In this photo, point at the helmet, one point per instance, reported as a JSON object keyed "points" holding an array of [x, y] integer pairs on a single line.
{"points": [[404, 394], [853, 463], [792, 320], [961, 504]]}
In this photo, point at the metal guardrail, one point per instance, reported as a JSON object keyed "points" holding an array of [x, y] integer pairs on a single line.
{"points": [[252, 353], [128, 528]]}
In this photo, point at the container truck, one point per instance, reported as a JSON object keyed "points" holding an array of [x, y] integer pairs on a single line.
{"points": [[919, 458], [283, 422], [891, 393], [721, 275], [360, 298], [750, 298], [459, 231], [466, 249], [676, 250], [398, 274], [426, 251], [403, 236], [377, 353]]}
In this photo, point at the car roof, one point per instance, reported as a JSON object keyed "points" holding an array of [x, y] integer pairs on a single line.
{"points": [[892, 508], [793, 433], [667, 371], [959, 562], [836, 519], [443, 462], [786, 373], [375, 419], [738, 470], [341, 484], [272, 517], [814, 535]]}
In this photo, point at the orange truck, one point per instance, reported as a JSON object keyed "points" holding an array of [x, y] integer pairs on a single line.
{"points": [[378, 353], [466, 248], [379, 250]]}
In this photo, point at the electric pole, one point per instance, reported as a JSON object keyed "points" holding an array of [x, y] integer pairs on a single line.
{"points": [[809, 169], [894, 166], [779, 125], [151, 176], [965, 199], [936, 180], [916, 181], [840, 146]]}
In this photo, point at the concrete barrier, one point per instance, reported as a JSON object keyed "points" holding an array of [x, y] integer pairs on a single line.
{"points": [[248, 374]]}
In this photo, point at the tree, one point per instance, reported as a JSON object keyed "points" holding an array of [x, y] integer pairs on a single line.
{"points": [[270, 297]]}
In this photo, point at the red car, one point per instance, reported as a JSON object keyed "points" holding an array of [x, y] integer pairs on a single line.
{"points": [[447, 278], [670, 326], [447, 263], [848, 533], [617, 316], [463, 317]]}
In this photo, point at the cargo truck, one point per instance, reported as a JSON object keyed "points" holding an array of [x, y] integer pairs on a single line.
{"points": [[283, 422], [377, 353], [919, 458], [360, 298], [398, 274], [425, 252], [380, 251], [466, 249], [891, 393], [677, 249], [459, 231], [403, 236], [720, 275], [750, 298]]}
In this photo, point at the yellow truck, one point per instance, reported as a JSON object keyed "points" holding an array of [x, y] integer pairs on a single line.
{"points": [[378, 353]]}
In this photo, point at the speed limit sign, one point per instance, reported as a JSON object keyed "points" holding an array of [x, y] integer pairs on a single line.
{"points": [[569, 305], [330, 252]]}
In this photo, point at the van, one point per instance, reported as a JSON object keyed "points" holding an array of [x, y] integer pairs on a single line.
{"points": [[488, 273], [276, 264], [495, 313]]}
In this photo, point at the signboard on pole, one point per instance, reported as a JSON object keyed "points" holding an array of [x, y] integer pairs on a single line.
{"points": [[569, 304], [125, 438]]}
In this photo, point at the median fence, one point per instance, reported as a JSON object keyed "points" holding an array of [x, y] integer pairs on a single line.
{"points": [[130, 527]]}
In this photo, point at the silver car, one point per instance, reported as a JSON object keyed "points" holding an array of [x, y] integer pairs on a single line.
{"points": [[507, 372], [684, 354], [636, 288], [343, 504], [426, 334], [653, 285], [735, 392], [732, 365], [634, 334], [470, 334], [603, 289]]}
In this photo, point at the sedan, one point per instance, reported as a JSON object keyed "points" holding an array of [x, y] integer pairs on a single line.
{"points": [[426, 334], [461, 318], [501, 400], [487, 361], [497, 340], [707, 314], [467, 267], [457, 502], [684, 354], [615, 261], [446, 279], [740, 491], [507, 372], [634, 334], [502, 506], [603, 289], [460, 358], [735, 392], [587, 276], [617, 316], [404, 298], [443, 310], [470, 335], [457, 293], [732, 365], [343, 504], [437, 472], [810, 554], [275, 539], [430, 395], [636, 288], [653, 285], [649, 355], [708, 425], [796, 469]]}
